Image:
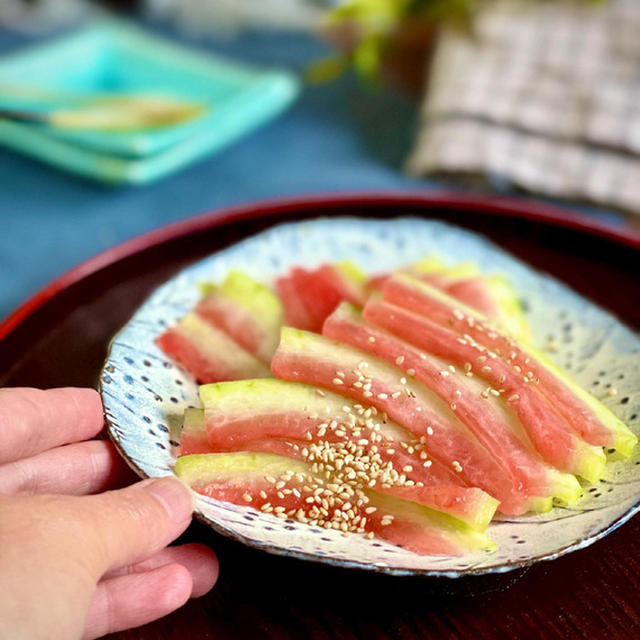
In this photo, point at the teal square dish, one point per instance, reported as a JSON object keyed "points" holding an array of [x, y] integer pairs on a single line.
{"points": [[115, 57]]}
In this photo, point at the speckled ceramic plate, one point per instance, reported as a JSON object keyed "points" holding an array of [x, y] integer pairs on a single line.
{"points": [[145, 394]]}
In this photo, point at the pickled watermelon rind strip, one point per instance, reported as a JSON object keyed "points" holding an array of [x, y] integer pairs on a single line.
{"points": [[410, 520], [236, 412], [622, 439]]}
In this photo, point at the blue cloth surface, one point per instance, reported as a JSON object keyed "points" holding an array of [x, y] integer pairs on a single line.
{"points": [[337, 137]]}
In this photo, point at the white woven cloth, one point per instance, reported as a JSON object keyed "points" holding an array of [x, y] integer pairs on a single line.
{"points": [[546, 95]]}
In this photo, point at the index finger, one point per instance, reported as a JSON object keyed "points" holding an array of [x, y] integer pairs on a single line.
{"points": [[33, 420]]}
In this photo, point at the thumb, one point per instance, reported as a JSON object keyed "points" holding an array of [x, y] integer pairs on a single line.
{"points": [[133, 523]]}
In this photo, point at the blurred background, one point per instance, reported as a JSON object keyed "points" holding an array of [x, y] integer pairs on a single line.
{"points": [[119, 117]]}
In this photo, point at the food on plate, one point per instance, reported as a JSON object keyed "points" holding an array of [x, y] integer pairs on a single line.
{"points": [[291, 489], [589, 417], [550, 434], [332, 434], [209, 353], [487, 415], [310, 295], [246, 310], [408, 405], [491, 295]]}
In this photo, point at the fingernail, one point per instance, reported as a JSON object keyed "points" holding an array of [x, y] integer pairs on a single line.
{"points": [[174, 496]]}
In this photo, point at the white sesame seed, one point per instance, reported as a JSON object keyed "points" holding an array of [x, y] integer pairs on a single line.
{"points": [[513, 397], [430, 431], [337, 381], [371, 339], [399, 360]]}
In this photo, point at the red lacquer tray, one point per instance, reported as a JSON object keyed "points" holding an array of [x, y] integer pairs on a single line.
{"points": [[60, 336]]}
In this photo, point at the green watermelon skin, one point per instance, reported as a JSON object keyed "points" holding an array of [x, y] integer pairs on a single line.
{"points": [[260, 481], [490, 418], [312, 359]]}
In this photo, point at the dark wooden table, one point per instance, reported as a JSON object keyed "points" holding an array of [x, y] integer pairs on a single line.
{"points": [[61, 336]]}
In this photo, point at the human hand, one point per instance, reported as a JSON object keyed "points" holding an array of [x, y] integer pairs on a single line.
{"points": [[79, 565]]}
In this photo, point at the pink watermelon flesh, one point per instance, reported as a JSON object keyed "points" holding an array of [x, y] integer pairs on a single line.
{"points": [[309, 358], [309, 296], [550, 434], [207, 353], [472, 291], [487, 418], [237, 323], [383, 462], [277, 486], [295, 312], [573, 409]]}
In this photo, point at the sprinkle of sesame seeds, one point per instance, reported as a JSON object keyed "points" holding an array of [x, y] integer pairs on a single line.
{"points": [[407, 468], [494, 392], [444, 374], [513, 397], [457, 466], [430, 431], [383, 396], [452, 368], [486, 369], [337, 381], [340, 374], [411, 372], [427, 464], [270, 479], [399, 360]]}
